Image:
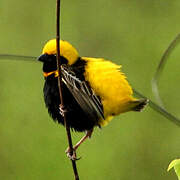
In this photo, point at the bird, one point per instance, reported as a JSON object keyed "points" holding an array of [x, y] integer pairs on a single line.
{"points": [[94, 90]]}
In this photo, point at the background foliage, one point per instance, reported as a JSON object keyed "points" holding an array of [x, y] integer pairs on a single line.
{"points": [[132, 33]]}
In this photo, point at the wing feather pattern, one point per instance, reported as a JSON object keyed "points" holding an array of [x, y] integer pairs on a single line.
{"points": [[83, 94]]}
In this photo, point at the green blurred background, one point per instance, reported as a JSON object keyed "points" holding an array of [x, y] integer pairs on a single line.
{"points": [[132, 33]]}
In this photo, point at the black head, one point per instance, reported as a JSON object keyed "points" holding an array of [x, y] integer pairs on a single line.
{"points": [[49, 62]]}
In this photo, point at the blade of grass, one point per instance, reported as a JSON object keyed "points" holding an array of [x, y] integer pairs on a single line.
{"points": [[17, 57], [160, 68], [159, 109]]}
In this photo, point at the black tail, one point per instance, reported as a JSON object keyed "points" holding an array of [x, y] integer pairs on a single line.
{"points": [[141, 103]]}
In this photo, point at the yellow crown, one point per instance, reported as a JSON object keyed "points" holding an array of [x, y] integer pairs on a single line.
{"points": [[66, 50]]}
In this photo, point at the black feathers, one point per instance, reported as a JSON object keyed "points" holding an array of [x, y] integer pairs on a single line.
{"points": [[84, 108]]}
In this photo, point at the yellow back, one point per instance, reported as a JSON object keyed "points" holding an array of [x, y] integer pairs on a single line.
{"points": [[110, 84]]}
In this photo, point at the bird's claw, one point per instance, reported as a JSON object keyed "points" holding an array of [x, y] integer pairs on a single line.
{"points": [[62, 110], [72, 155]]}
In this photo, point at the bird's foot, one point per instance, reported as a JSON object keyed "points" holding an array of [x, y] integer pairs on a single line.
{"points": [[71, 155], [62, 110]]}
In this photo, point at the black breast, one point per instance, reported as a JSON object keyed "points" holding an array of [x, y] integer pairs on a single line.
{"points": [[76, 118]]}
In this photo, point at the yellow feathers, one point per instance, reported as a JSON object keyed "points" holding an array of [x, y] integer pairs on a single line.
{"points": [[109, 83], [66, 50]]}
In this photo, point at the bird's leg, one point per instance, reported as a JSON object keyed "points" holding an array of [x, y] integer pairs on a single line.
{"points": [[87, 135], [73, 156]]}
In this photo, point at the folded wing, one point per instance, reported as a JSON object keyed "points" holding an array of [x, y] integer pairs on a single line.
{"points": [[83, 94]]}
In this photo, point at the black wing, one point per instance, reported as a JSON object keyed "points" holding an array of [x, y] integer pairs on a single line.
{"points": [[83, 93]]}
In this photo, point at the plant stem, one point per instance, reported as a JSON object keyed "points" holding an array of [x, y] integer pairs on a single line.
{"points": [[60, 87]]}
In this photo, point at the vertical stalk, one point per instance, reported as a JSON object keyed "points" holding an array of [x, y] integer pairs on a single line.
{"points": [[60, 87]]}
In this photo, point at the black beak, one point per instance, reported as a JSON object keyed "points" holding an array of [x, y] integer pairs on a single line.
{"points": [[43, 57]]}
